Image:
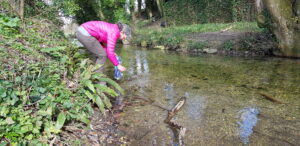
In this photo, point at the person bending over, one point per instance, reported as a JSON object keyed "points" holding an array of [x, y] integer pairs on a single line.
{"points": [[100, 39]]}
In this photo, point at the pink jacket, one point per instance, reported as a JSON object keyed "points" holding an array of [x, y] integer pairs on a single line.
{"points": [[105, 33]]}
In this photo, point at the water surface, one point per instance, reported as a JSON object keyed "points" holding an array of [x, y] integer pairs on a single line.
{"points": [[218, 89]]}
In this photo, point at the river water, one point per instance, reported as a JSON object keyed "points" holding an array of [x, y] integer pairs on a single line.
{"points": [[224, 105]]}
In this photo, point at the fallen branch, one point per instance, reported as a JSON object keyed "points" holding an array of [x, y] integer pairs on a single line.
{"points": [[270, 98], [227, 28], [178, 130]]}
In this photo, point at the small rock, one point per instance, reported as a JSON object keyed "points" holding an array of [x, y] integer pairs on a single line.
{"points": [[210, 51], [160, 47]]}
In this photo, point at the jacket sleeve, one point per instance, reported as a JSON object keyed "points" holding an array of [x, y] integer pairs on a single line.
{"points": [[110, 49]]}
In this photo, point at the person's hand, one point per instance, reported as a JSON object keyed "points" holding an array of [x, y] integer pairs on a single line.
{"points": [[121, 68]]}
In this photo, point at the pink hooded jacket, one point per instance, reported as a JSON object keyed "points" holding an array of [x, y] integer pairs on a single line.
{"points": [[105, 33]]}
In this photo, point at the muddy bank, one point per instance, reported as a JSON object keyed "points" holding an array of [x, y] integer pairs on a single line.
{"points": [[234, 43], [103, 130], [225, 42]]}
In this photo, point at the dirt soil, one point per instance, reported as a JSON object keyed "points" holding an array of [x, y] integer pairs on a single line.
{"points": [[217, 36], [104, 131], [236, 43], [228, 42]]}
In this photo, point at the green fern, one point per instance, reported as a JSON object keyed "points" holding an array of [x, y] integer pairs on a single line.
{"points": [[98, 93], [100, 104], [106, 101], [114, 84], [90, 85], [96, 99], [107, 90]]}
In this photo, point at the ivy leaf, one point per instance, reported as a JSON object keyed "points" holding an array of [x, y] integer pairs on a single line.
{"points": [[9, 121], [2, 92], [26, 128], [83, 63], [86, 74], [61, 118]]}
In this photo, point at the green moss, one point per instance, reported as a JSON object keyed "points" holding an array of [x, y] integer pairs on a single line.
{"points": [[196, 45]]}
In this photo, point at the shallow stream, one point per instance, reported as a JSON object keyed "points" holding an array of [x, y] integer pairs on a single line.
{"points": [[224, 104]]}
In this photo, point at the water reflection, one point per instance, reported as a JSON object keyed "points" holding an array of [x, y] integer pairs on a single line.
{"points": [[170, 94], [215, 84], [194, 106], [138, 69], [138, 64], [249, 119]]}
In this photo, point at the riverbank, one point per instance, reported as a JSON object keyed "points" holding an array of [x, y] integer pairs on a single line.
{"points": [[234, 39], [46, 89]]}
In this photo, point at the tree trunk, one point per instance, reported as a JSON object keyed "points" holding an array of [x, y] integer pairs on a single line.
{"points": [[159, 4], [149, 7], [297, 8], [133, 10], [22, 9], [285, 26], [139, 8], [99, 9]]}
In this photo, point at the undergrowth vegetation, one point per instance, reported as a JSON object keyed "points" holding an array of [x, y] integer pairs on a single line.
{"points": [[179, 12], [46, 82], [174, 37]]}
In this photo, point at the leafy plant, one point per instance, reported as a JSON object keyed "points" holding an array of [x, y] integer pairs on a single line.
{"points": [[95, 91], [37, 98], [197, 45], [228, 45]]}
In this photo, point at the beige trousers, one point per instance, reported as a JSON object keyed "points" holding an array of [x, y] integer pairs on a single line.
{"points": [[94, 46]]}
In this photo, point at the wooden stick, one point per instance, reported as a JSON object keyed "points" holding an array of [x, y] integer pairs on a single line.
{"points": [[178, 130], [270, 98], [175, 109]]}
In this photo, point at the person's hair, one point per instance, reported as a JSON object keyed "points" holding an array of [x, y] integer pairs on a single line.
{"points": [[125, 29]]}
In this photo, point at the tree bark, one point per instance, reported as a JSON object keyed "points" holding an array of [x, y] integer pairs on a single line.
{"points": [[98, 9], [139, 8], [149, 6], [285, 26], [22, 9], [159, 4]]}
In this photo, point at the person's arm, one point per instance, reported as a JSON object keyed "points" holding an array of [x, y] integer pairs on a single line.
{"points": [[110, 50]]}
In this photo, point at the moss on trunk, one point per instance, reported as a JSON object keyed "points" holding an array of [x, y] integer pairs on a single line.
{"points": [[284, 26]]}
